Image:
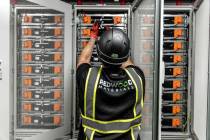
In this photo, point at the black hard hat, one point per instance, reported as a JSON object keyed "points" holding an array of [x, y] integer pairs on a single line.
{"points": [[113, 47]]}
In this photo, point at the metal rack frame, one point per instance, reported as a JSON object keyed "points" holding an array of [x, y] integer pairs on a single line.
{"points": [[208, 100], [60, 131], [179, 135]]}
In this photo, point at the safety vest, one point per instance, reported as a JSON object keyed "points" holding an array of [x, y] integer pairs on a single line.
{"points": [[92, 126]]}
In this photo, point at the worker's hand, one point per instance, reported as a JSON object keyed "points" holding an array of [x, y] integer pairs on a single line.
{"points": [[94, 31]]}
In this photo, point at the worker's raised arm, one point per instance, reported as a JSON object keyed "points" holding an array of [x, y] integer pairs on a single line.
{"points": [[86, 53], [127, 63]]}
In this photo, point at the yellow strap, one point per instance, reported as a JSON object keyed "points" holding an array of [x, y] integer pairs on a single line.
{"points": [[132, 135], [113, 121], [95, 89], [142, 95], [142, 90], [139, 128], [84, 132], [92, 135], [137, 95], [111, 131], [85, 96]]}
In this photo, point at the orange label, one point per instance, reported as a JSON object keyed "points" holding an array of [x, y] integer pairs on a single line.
{"points": [[86, 32], [176, 109], [27, 31], [147, 71], [177, 46], [57, 82], [147, 33], [177, 58], [58, 19], [27, 107], [178, 33], [87, 19], [27, 82], [27, 69], [57, 120], [27, 119], [176, 84], [57, 107], [147, 109], [27, 94], [176, 122], [57, 95], [117, 20], [27, 19], [27, 57], [178, 20], [147, 45], [147, 58], [148, 20], [57, 70], [147, 97], [58, 32], [177, 71], [176, 97], [57, 57], [27, 44], [57, 44]]}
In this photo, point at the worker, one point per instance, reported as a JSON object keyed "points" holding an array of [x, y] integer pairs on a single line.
{"points": [[110, 95]]}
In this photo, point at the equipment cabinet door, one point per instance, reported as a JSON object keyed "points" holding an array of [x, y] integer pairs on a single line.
{"points": [[145, 49], [42, 69]]}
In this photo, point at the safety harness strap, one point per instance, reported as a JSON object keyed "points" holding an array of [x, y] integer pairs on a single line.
{"points": [[89, 134], [111, 126], [135, 133], [90, 91], [137, 81]]}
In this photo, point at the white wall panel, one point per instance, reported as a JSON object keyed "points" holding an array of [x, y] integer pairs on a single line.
{"points": [[201, 69], [5, 66]]}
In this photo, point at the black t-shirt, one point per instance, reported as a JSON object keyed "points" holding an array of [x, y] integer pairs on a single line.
{"points": [[115, 96]]}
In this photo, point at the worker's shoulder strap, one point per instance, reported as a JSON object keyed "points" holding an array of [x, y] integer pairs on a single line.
{"points": [[90, 90], [138, 84]]}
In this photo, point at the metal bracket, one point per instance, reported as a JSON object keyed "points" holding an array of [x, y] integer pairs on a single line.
{"points": [[197, 4], [136, 4]]}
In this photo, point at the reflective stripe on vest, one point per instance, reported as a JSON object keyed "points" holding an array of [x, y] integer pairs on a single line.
{"points": [[137, 81], [92, 125], [90, 91], [111, 126], [135, 132]]}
